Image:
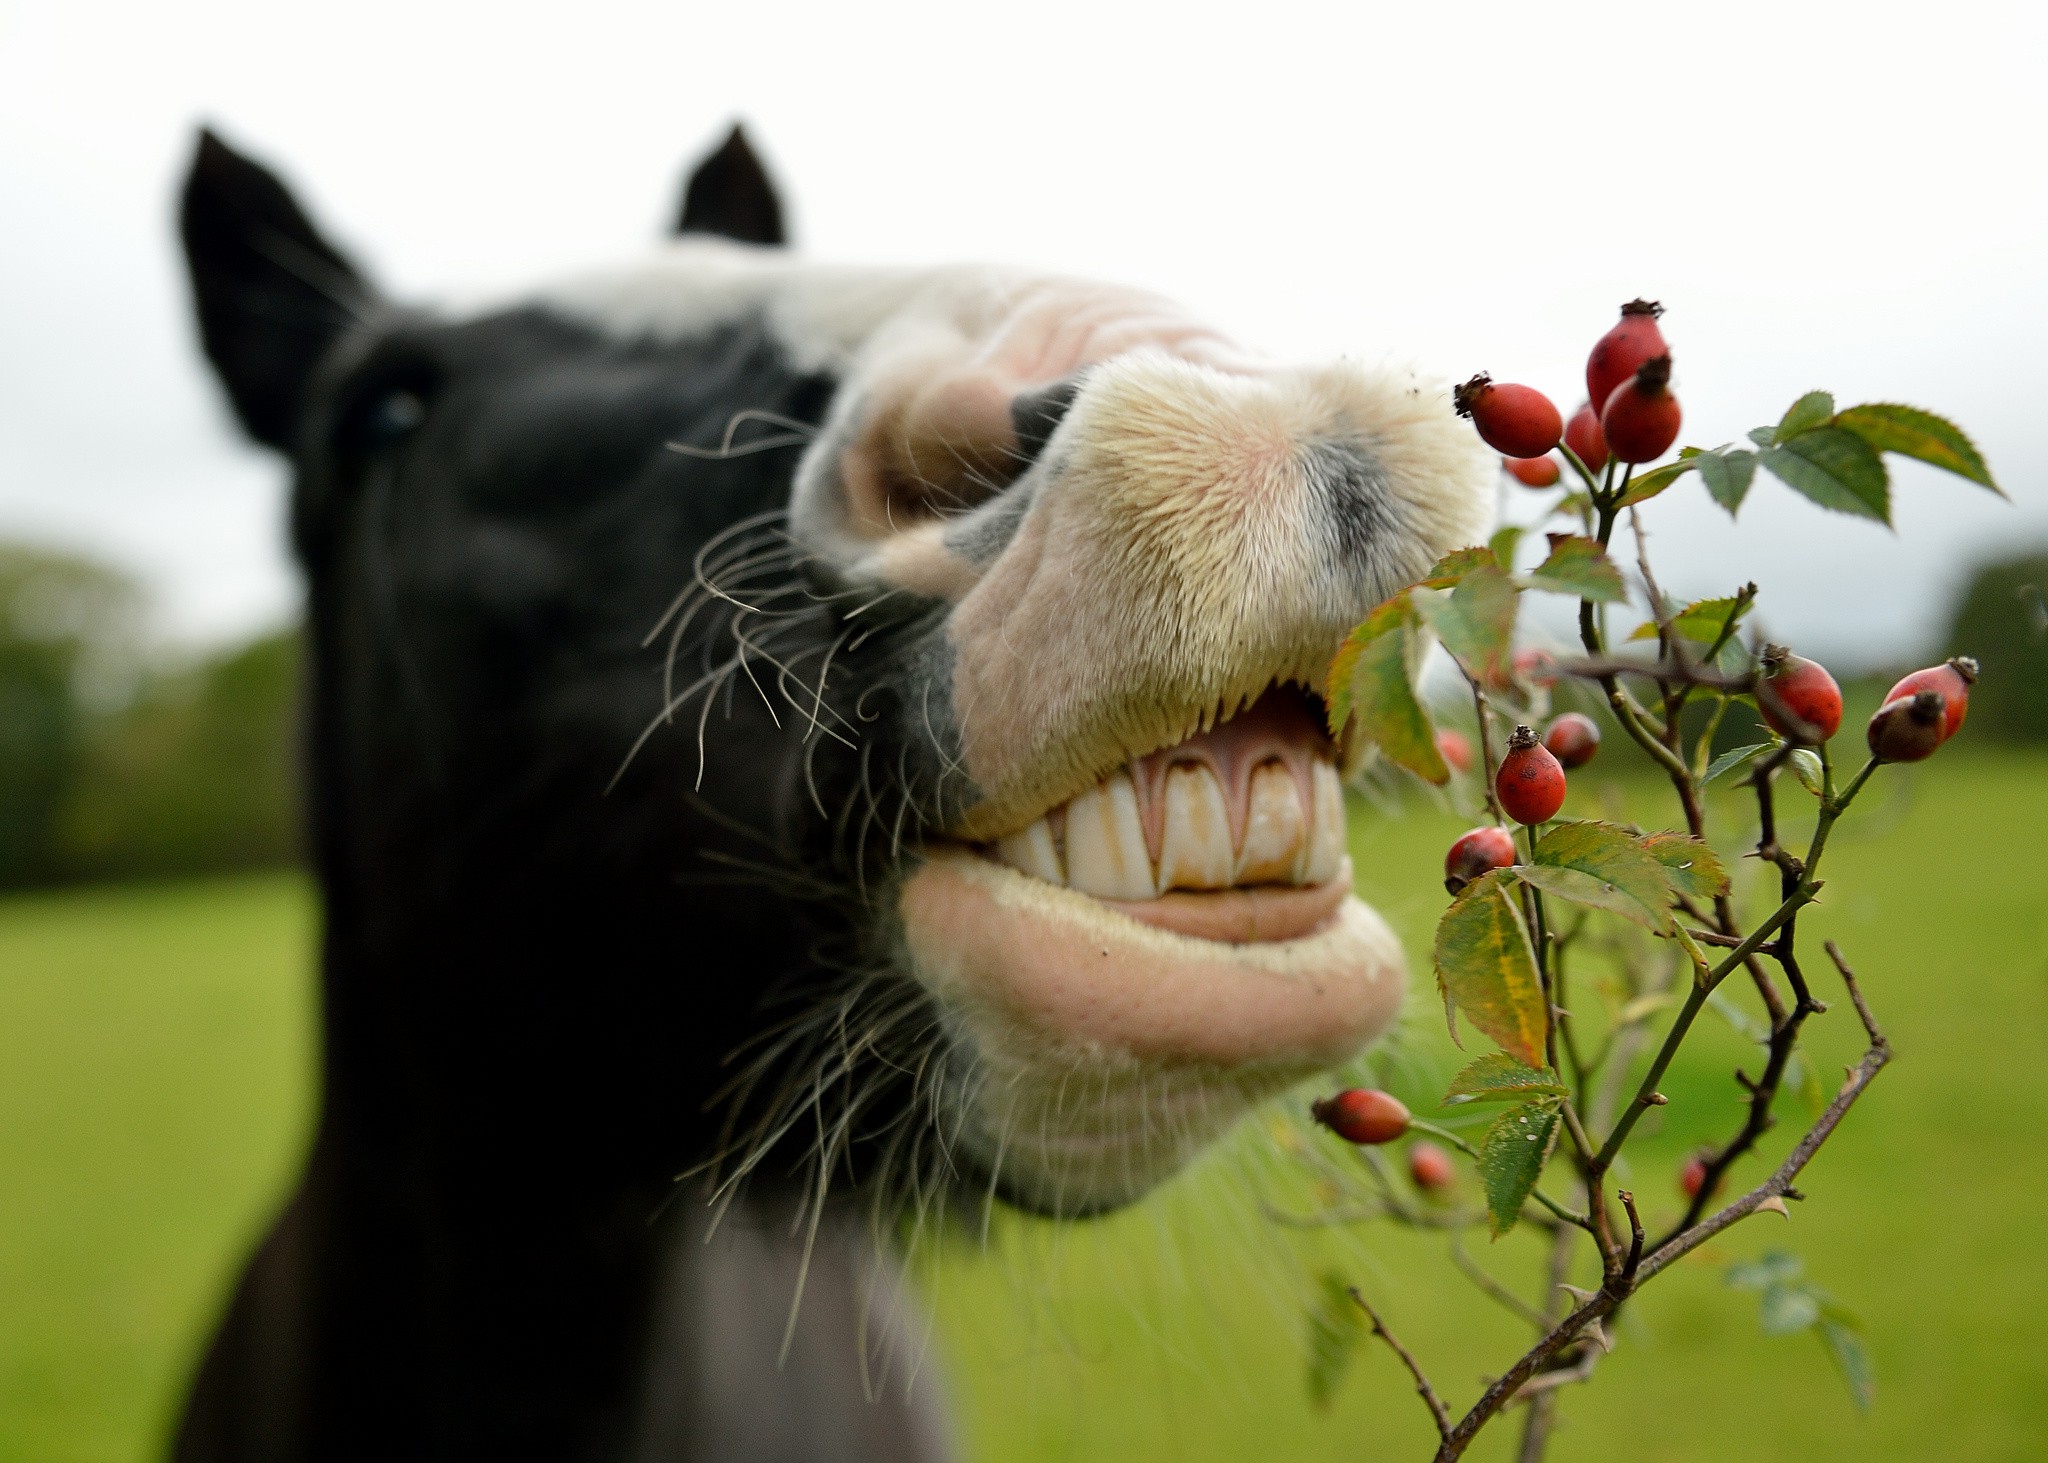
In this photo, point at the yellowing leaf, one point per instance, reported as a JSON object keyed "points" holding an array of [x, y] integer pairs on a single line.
{"points": [[1486, 967], [1372, 679], [1645, 486], [1703, 620], [1691, 866], [1918, 434], [1618, 873], [1455, 565]]}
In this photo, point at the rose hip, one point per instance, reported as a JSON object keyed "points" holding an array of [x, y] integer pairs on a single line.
{"points": [[1573, 739], [1530, 784], [1515, 421], [1620, 353], [1908, 729], [1641, 417], [1362, 1115], [1479, 852], [1533, 472], [1582, 434], [1952, 679], [1799, 700], [1455, 749], [1693, 1177], [1430, 1168], [1537, 667]]}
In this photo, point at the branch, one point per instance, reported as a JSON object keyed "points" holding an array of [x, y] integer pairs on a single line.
{"points": [[1427, 1393]]}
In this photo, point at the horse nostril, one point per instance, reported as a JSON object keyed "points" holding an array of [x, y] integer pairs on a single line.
{"points": [[1036, 414]]}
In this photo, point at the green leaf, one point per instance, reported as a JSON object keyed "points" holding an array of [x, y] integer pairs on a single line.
{"points": [[1511, 1156], [1763, 436], [1645, 486], [1498, 1077], [1772, 1267], [1703, 620], [1845, 1347], [1335, 1327], [1787, 1308], [1487, 969], [1728, 761], [1922, 435], [1476, 622], [1806, 767], [1506, 539], [1836, 469], [1691, 866], [1804, 414], [1578, 566], [1625, 877], [1455, 565], [1372, 678], [1727, 475]]}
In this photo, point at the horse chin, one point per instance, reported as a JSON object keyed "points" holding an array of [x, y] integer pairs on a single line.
{"points": [[1110, 1040]]}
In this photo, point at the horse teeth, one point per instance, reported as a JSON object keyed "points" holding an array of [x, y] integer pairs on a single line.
{"points": [[1274, 827], [1106, 853], [1035, 852], [1194, 851], [1325, 854]]}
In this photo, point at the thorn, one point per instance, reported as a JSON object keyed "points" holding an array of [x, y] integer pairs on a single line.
{"points": [[1774, 1205], [1581, 1296]]}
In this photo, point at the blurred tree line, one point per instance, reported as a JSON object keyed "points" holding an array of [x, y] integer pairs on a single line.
{"points": [[114, 764]]}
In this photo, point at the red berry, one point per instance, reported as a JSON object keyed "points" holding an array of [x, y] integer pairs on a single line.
{"points": [[1952, 680], [1430, 1168], [1362, 1115], [1537, 667], [1455, 749], [1582, 434], [1909, 728], [1516, 421], [1532, 472], [1798, 698], [1693, 1177], [1620, 353], [1641, 418], [1530, 784], [1476, 853], [1573, 739]]}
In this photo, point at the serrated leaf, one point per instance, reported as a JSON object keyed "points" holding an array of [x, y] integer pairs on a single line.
{"points": [[1727, 475], [1762, 436], [1703, 620], [1845, 1347], [1631, 880], [1729, 761], [1578, 887], [1691, 866], [1448, 571], [1803, 415], [1486, 967], [1372, 679], [1787, 1308], [1836, 469], [1506, 539], [1578, 566], [1335, 1327], [1498, 1077], [1511, 1156], [1645, 486], [1772, 1267], [1476, 622], [1911, 432], [1806, 767]]}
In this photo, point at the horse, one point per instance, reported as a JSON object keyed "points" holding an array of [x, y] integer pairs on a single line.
{"points": [[790, 751]]}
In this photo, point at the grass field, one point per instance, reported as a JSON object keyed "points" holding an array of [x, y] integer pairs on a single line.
{"points": [[154, 1068]]}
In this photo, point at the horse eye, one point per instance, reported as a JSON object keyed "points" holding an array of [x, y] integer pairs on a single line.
{"points": [[391, 417]]}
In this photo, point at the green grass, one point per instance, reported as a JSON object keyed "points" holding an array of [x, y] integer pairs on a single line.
{"points": [[153, 1075]]}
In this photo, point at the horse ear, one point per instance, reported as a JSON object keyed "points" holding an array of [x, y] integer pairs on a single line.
{"points": [[730, 193], [271, 294]]}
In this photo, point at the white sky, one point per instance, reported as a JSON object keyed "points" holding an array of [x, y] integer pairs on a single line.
{"points": [[1840, 195]]}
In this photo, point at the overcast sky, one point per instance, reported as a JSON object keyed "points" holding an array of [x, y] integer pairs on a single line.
{"points": [[1848, 196]]}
